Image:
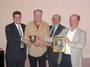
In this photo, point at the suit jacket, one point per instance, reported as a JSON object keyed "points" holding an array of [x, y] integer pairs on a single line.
{"points": [[50, 49], [42, 31], [76, 45], [14, 42]]}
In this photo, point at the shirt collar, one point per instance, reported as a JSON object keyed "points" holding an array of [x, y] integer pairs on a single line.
{"points": [[55, 26], [74, 30], [17, 24]]}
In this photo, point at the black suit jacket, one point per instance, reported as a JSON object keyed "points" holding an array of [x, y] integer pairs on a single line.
{"points": [[13, 42]]}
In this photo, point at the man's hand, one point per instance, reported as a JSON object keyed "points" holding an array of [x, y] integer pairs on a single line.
{"points": [[41, 41], [41, 38], [24, 38], [29, 44], [66, 39], [37, 44], [47, 43]]}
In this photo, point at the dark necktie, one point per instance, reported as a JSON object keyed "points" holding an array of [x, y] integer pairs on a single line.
{"points": [[52, 32]]}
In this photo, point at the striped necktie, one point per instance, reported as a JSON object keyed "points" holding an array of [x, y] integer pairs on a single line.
{"points": [[52, 32], [19, 30], [21, 34]]}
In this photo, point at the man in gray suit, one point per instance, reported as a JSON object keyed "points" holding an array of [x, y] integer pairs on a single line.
{"points": [[75, 39]]}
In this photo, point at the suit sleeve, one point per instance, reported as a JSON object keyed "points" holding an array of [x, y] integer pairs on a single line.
{"points": [[81, 42], [10, 36]]}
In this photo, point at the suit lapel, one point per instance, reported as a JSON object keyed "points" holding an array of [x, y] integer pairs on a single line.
{"points": [[40, 26], [66, 32], [56, 31], [34, 27], [76, 33]]}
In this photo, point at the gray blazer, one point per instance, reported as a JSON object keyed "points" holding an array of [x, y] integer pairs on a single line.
{"points": [[76, 45]]}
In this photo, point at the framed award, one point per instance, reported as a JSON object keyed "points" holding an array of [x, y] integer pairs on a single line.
{"points": [[59, 44]]}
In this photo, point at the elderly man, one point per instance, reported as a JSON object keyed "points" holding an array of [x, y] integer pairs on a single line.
{"points": [[55, 28], [37, 51]]}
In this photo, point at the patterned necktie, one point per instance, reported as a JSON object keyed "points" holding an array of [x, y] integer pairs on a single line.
{"points": [[19, 30], [52, 32], [20, 33]]}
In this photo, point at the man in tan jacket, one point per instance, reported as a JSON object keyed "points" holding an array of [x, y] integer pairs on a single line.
{"points": [[37, 51]]}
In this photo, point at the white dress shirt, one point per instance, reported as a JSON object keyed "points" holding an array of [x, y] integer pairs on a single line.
{"points": [[70, 36]]}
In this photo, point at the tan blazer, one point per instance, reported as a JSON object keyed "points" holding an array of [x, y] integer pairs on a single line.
{"points": [[42, 31], [76, 45]]}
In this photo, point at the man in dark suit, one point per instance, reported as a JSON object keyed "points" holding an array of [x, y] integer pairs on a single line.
{"points": [[16, 49], [56, 28]]}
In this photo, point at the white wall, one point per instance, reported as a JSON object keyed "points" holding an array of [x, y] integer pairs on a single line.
{"points": [[63, 7]]}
